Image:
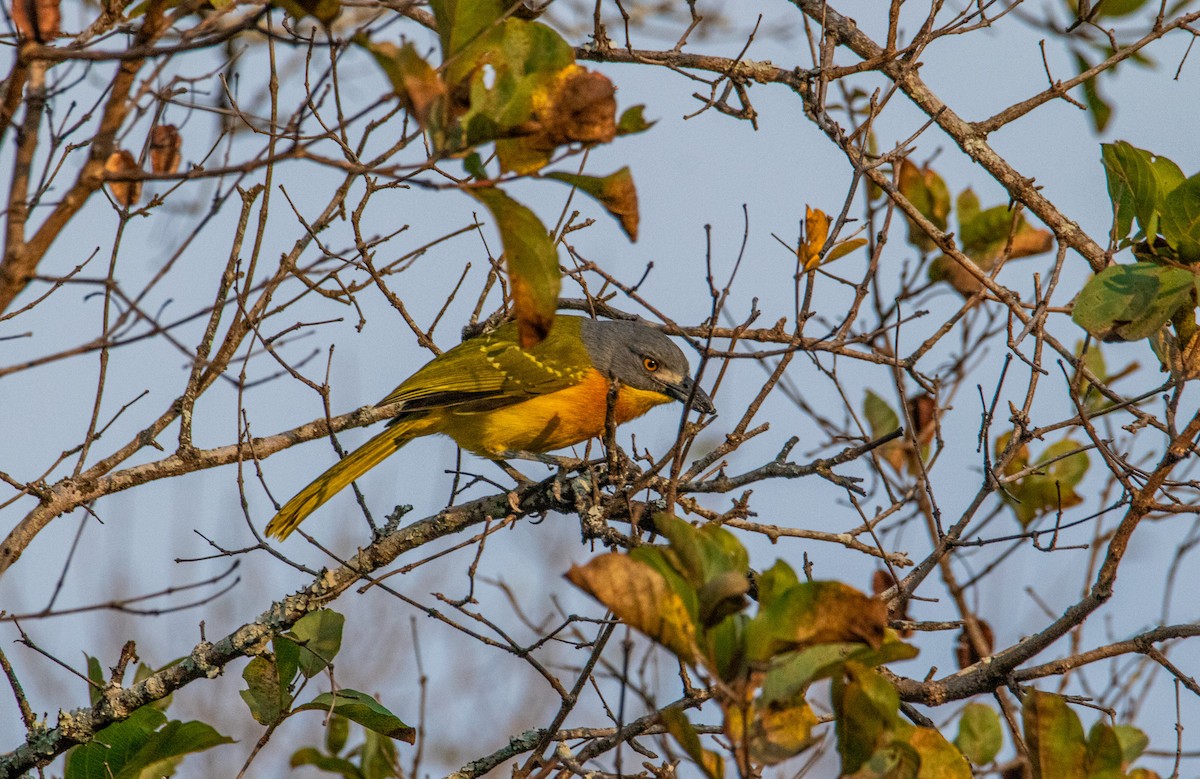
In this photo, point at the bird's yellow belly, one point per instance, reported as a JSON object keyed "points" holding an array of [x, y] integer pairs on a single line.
{"points": [[547, 422]]}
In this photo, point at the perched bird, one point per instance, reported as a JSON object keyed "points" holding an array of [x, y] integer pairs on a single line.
{"points": [[495, 398]]}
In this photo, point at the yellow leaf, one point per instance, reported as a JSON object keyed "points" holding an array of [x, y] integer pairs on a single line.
{"points": [[816, 230]]}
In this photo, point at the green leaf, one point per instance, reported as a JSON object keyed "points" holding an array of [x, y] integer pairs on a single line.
{"points": [[378, 757], [165, 748], [615, 192], [144, 746], [1180, 220], [1103, 753], [95, 675], [880, 416], [324, 11], [460, 22], [1133, 742], [726, 647], [336, 732], [319, 637], [791, 674], [1100, 109], [532, 261], [774, 581], [685, 735], [980, 735], [1132, 187], [866, 707], [703, 553], [511, 76], [105, 756], [1055, 737], [327, 763], [632, 121], [1130, 302], [366, 711], [473, 165], [937, 756]]}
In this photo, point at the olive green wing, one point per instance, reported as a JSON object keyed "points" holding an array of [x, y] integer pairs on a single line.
{"points": [[493, 371]]}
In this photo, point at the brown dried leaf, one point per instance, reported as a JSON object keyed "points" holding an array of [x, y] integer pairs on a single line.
{"points": [[1030, 241], [882, 581], [580, 107], [36, 19], [119, 163], [164, 148], [964, 650]]}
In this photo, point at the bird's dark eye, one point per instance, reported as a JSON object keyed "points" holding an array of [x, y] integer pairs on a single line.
{"points": [[650, 364]]}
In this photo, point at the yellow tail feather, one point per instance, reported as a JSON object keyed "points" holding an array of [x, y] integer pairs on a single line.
{"points": [[349, 468]]}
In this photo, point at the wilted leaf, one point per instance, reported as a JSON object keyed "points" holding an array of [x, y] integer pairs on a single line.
{"points": [[685, 735], [1129, 302], [1054, 736], [366, 711], [414, 80], [926, 190], [120, 163], [615, 192], [640, 597], [268, 680], [532, 261], [980, 736], [815, 613], [580, 106], [779, 732], [164, 148]]}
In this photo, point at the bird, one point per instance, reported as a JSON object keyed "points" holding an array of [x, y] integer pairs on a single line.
{"points": [[496, 399]]}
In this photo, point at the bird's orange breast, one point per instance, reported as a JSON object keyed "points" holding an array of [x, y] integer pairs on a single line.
{"points": [[547, 422]]}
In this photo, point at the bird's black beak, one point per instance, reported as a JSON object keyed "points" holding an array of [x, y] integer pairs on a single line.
{"points": [[686, 389]]}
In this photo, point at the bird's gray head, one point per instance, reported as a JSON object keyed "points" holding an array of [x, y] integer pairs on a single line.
{"points": [[643, 358]]}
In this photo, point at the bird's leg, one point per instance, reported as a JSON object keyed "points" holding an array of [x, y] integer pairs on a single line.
{"points": [[553, 460], [521, 479]]}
